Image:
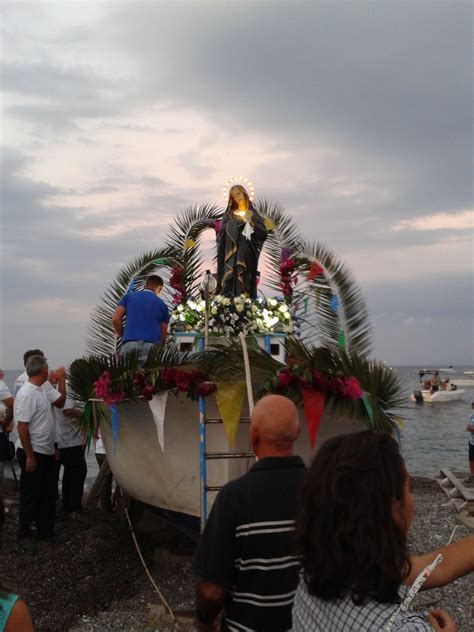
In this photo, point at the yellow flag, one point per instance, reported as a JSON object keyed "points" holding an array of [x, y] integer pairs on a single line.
{"points": [[189, 243], [229, 399], [400, 422], [269, 225]]}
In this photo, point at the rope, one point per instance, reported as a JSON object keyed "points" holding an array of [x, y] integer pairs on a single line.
{"points": [[144, 564]]}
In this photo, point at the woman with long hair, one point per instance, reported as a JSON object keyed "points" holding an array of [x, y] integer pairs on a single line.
{"points": [[14, 616], [241, 236], [355, 513]]}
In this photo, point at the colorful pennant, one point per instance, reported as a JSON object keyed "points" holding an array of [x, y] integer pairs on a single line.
{"points": [[334, 304], [189, 243], [229, 399], [313, 407], [341, 339], [368, 405], [158, 405], [160, 262]]}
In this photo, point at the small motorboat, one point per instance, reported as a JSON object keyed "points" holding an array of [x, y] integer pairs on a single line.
{"points": [[457, 382], [468, 372], [449, 369], [432, 389]]}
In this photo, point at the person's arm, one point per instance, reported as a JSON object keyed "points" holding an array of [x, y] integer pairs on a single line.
{"points": [[61, 386], [164, 333], [470, 428], [7, 422], [117, 320], [24, 434], [19, 618], [209, 602], [458, 560]]}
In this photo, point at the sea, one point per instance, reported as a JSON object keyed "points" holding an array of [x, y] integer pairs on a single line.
{"points": [[433, 436]]}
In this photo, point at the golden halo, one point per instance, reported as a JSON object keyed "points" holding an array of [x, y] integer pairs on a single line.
{"points": [[245, 182]]}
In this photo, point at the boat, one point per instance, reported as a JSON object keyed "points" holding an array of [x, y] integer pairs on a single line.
{"points": [[449, 369], [432, 390], [171, 446], [468, 372], [462, 382]]}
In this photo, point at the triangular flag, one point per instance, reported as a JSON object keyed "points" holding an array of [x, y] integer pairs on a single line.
{"points": [[368, 406], [189, 243], [269, 225], [313, 406], [229, 399], [334, 304], [158, 406], [341, 339], [131, 285], [314, 270], [160, 262]]}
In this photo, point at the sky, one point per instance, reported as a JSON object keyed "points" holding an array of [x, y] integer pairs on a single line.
{"points": [[356, 117]]}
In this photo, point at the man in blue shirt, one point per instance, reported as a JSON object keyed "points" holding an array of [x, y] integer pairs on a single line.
{"points": [[146, 319]]}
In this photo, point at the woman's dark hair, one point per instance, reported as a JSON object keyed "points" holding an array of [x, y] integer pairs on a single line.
{"points": [[346, 532]]}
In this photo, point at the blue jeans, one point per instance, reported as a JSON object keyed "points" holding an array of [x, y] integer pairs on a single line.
{"points": [[141, 346]]}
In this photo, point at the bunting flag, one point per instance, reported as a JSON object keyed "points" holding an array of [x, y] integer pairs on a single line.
{"points": [[158, 406], [368, 405], [160, 262], [269, 225], [341, 339], [313, 406], [229, 399], [334, 304], [114, 424], [314, 270], [305, 303], [189, 243]]}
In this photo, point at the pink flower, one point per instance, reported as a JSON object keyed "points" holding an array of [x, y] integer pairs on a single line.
{"points": [[352, 389]]}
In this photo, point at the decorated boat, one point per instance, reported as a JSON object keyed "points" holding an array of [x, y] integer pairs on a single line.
{"points": [[175, 429]]}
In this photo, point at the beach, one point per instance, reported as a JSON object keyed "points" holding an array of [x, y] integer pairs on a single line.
{"points": [[95, 582]]}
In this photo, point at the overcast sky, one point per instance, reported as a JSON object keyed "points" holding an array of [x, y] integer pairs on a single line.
{"points": [[355, 116]]}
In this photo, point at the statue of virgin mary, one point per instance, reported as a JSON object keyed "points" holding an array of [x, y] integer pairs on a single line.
{"points": [[239, 244]]}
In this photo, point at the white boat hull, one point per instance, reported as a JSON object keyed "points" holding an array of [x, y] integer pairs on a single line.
{"points": [[170, 479], [440, 396], [462, 382]]}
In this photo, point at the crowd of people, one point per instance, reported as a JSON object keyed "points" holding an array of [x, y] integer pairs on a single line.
{"points": [[284, 547]]}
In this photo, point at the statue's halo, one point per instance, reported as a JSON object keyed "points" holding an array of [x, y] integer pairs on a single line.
{"points": [[245, 182]]}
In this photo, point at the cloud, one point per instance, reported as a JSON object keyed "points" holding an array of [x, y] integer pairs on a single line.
{"points": [[440, 221]]}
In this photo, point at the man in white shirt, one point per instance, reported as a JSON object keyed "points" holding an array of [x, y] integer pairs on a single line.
{"points": [[37, 454], [71, 449]]}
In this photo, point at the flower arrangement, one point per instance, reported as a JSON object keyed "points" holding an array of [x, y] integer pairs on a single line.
{"points": [[288, 274], [177, 283], [230, 315], [293, 377], [145, 384]]}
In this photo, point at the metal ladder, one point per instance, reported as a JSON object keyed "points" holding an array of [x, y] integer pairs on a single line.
{"points": [[205, 456]]}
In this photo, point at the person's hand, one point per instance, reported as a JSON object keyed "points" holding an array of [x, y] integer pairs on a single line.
{"points": [[9, 427], [60, 373], [30, 464], [440, 621]]}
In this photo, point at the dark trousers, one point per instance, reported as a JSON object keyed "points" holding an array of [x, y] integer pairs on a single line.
{"points": [[74, 475], [37, 495], [106, 489]]}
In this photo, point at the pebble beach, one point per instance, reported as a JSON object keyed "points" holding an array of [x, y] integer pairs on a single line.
{"points": [[94, 581]]}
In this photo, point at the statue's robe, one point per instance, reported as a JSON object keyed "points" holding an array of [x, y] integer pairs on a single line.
{"points": [[237, 256]]}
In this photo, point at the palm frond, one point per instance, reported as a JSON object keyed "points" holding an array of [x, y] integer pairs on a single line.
{"points": [[351, 315]]}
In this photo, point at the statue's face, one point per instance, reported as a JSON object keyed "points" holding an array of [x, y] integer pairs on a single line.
{"points": [[237, 194]]}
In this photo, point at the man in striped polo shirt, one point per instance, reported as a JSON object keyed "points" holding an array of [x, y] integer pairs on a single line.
{"points": [[245, 559]]}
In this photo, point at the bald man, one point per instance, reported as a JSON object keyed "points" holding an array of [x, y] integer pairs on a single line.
{"points": [[245, 559]]}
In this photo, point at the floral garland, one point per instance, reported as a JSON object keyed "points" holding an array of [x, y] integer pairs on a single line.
{"points": [[177, 283], [229, 315], [292, 378], [146, 383], [288, 276]]}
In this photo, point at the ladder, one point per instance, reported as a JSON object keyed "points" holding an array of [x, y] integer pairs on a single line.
{"points": [[205, 456]]}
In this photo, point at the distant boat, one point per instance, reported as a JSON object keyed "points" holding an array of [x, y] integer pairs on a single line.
{"points": [[431, 393], [468, 372], [449, 369], [462, 382]]}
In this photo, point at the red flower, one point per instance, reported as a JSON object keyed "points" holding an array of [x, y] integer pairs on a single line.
{"points": [[206, 388], [286, 378], [147, 392], [336, 386], [319, 381], [352, 389]]}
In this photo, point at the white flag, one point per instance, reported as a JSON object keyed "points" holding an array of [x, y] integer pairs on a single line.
{"points": [[157, 406]]}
